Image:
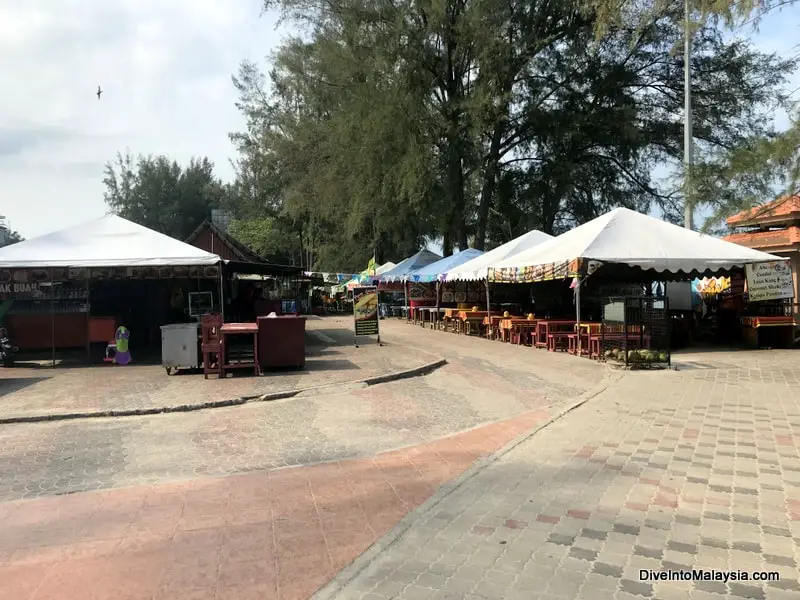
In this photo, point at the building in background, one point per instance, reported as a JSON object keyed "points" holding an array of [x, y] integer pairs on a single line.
{"points": [[772, 228]]}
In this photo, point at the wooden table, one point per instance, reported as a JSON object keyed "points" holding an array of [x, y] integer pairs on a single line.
{"points": [[492, 325], [436, 317], [516, 329], [545, 327], [231, 329], [584, 331], [449, 318], [472, 317]]}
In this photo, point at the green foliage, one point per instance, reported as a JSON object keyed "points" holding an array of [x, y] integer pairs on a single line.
{"points": [[267, 237], [392, 122], [11, 237], [158, 193], [761, 162]]}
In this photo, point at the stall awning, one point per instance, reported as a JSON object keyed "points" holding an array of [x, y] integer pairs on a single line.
{"points": [[437, 270], [109, 241], [478, 268], [406, 267], [626, 237]]}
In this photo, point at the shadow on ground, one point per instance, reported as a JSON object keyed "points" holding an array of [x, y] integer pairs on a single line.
{"points": [[15, 384]]}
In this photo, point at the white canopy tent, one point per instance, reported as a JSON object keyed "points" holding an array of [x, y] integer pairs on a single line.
{"points": [[626, 237], [109, 241], [478, 268]]}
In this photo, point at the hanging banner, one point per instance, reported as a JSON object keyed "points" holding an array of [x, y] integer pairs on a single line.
{"points": [[534, 274], [769, 281], [711, 286], [365, 310]]}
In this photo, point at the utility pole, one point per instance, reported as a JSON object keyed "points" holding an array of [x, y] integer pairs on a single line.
{"points": [[688, 192]]}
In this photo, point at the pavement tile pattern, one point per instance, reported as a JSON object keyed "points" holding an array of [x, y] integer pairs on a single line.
{"points": [[272, 535], [33, 392], [664, 472], [42, 459]]}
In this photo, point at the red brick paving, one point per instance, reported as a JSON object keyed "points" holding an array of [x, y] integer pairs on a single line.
{"points": [[270, 535]]}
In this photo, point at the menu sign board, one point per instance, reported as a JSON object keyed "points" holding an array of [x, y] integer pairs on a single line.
{"points": [[769, 281], [365, 310]]}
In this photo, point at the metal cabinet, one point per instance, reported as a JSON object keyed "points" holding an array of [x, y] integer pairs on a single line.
{"points": [[179, 346]]}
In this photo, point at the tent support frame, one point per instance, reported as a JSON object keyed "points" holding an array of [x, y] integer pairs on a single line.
{"points": [[488, 311], [435, 320], [52, 322], [578, 311]]}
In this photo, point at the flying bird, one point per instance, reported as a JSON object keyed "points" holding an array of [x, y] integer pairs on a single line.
{"points": [[99, 92]]}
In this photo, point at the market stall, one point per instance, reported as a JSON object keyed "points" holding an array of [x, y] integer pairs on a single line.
{"points": [[627, 246], [74, 287], [426, 283], [469, 281], [419, 295]]}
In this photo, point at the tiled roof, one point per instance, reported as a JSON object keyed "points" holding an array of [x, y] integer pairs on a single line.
{"points": [[788, 206], [763, 240]]}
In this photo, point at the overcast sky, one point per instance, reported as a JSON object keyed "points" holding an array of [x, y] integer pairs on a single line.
{"points": [[165, 69]]}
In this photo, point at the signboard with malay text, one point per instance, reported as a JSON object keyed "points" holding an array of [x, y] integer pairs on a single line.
{"points": [[365, 310], [769, 281]]}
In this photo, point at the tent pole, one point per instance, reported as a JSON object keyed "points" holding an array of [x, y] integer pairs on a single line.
{"points": [[221, 291], [435, 320], [488, 312], [408, 308], [578, 311], [88, 321], [52, 321]]}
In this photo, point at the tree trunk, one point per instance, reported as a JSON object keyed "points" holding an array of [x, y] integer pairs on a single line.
{"points": [[455, 187], [447, 243], [489, 185]]}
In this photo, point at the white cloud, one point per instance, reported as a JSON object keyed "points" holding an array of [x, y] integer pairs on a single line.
{"points": [[165, 69]]}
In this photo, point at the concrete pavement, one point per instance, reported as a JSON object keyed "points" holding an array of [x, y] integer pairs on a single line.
{"points": [[664, 472], [42, 459], [41, 391], [269, 535]]}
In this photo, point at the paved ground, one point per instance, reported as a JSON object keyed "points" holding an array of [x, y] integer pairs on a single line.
{"points": [[42, 459], [666, 471], [271, 535], [29, 391]]}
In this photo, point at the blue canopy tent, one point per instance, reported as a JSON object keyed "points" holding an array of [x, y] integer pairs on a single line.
{"points": [[406, 267], [439, 269]]}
